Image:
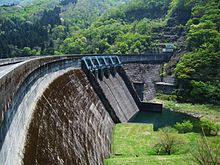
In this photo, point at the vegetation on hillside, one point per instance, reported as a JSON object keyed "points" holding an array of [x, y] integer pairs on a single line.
{"points": [[199, 70], [13, 2], [26, 29], [121, 27], [39, 28]]}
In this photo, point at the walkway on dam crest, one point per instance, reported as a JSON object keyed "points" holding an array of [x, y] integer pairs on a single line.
{"points": [[7, 65]]}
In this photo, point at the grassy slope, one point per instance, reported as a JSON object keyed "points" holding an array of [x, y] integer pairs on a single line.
{"points": [[133, 143]]}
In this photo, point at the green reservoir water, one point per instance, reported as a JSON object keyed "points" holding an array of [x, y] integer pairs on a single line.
{"points": [[166, 118]]}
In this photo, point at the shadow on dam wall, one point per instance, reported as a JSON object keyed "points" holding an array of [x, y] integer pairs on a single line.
{"points": [[74, 119], [70, 125], [115, 95]]}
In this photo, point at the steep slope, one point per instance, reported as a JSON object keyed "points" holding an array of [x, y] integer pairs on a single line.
{"points": [[84, 12], [198, 69], [126, 28], [25, 28]]}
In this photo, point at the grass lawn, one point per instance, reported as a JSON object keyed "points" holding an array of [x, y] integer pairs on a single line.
{"points": [[147, 160], [133, 145]]}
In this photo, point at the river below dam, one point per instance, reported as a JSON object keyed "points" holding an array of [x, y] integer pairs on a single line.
{"points": [[163, 119]]}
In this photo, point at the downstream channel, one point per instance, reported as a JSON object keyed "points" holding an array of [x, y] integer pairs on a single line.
{"points": [[163, 119]]}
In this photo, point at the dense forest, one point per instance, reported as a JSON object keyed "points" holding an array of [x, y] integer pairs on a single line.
{"points": [[13, 2], [40, 27], [199, 69]]}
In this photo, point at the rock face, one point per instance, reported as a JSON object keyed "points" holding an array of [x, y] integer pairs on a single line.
{"points": [[144, 73], [70, 125]]}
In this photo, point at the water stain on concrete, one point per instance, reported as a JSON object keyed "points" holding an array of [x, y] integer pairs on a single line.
{"points": [[70, 125]]}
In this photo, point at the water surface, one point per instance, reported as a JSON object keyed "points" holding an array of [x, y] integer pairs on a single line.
{"points": [[166, 118]]}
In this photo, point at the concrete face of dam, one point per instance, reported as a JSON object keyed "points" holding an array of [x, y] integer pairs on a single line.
{"points": [[70, 122], [119, 97], [70, 125], [22, 102]]}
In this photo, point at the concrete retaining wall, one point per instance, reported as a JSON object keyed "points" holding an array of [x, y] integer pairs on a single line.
{"points": [[142, 106]]}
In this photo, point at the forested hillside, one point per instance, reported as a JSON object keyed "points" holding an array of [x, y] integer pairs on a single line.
{"points": [[123, 29], [38, 28], [13, 2], [199, 69], [90, 26], [123, 26]]}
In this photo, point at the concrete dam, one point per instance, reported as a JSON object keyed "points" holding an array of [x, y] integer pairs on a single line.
{"points": [[55, 112]]}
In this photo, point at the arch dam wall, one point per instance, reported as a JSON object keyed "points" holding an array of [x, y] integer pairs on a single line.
{"points": [[61, 114]]}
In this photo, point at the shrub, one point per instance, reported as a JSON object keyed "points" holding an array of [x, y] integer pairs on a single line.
{"points": [[209, 127], [171, 97], [184, 127], [206, 152], [167, 141]]}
